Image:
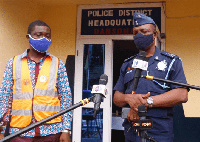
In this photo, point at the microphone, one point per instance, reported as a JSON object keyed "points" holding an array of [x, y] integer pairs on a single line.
{"points": [[99, 92], [140, 64], [142, 117]]}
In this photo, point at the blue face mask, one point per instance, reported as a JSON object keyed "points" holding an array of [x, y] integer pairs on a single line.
{"points": [[143, 41], [40, 45]]}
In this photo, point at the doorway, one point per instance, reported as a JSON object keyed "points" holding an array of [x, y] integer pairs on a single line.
{"points": [[97, 29], [122, 49]]}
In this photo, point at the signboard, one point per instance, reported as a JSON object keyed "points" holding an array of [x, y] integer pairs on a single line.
{"points": [[114, 21]]}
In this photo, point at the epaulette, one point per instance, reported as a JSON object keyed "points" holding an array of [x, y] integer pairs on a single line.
{"points": [[128, 59], [168, 54]]}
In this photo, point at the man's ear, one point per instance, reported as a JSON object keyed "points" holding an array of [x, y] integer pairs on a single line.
{"points": [[155, 33]]}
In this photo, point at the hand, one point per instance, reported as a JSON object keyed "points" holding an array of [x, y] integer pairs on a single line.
{"points": [[134, 100], [146, 95], [1, 136], [65, 137], [145, 100], [132, 115]]}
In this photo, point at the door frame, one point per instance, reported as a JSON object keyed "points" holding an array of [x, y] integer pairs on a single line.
{"points": [[107, 40], [106, 104]]}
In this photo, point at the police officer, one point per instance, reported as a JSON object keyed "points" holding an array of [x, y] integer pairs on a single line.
{"points": [[158, 97]]}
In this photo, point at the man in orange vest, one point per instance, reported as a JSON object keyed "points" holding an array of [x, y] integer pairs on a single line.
{"points": [[35, 86]]}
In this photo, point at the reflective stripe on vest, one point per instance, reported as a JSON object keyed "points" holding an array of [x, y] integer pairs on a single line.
{"points": [[43, 101]]}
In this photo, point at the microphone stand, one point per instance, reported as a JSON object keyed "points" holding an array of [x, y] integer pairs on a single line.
{"points": [[31, 126], [171, 82], [142, 115], [144, 124], [143, 133]]}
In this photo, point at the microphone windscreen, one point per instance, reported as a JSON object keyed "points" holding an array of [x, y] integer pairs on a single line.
{"points": [[142, 55], [103, 79]]}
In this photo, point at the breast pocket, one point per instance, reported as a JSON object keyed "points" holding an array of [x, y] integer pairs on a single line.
{"points": [[158, 73], [161, 74]]}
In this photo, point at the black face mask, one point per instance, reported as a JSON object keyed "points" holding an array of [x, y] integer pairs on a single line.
{"points": [[143, 41]]}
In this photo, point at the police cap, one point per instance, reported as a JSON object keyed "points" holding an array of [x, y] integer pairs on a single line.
{"points": [[142, 19]]}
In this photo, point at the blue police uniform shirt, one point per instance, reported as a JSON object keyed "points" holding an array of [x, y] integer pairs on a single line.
{"points": [[161, 65]]}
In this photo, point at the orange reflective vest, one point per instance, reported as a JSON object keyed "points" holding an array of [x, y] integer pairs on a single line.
{"points": [[41, 102]]}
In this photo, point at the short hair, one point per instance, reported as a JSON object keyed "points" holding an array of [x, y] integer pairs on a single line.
{"points": [[36, 23]]}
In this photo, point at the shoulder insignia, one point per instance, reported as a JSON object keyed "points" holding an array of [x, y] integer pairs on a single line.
{"points": [[128, 59], [168, 54]]}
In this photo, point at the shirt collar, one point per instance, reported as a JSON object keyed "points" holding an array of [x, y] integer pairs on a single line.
{"points": [[156, 56], [26, 53]]}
